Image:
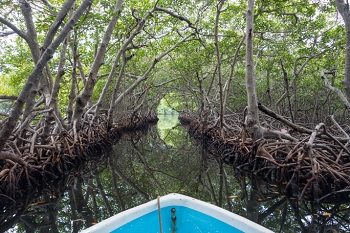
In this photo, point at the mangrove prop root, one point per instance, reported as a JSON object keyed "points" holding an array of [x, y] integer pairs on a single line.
{"points": [[25, 161], [314, 166]]}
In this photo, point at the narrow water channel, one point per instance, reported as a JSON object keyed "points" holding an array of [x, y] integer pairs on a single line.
{"points": [[156, 162]]}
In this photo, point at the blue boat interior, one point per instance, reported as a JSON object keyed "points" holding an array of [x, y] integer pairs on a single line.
{"points": [[177, 219]]}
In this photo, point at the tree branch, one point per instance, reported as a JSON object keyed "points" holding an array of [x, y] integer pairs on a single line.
{"points": [[14, 28], [57, 23], [86, 94], [48, 4], [156, 60], [283, 120], [169, 12], [180, 17], [336, 90], [33, 77], [6, 97]]}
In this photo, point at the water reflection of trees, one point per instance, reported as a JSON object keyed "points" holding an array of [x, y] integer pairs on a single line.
{"points": [[141, 167], [264, 204]]}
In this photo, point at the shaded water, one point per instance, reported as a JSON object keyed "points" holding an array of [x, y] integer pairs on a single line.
{"points": [[163, 160]]}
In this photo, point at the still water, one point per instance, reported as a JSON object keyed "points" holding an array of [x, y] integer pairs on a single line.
{"points": [[156, 162]]}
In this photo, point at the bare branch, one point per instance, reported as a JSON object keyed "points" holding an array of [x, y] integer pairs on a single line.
{"points": [[173, 14], [166, 82], [284, 120], [142, 78], [48, 4], [57, 23], [33, 78], [336, 90], [86, 94], [6, 97], [14, 28], [228, 82], [180, 17]]}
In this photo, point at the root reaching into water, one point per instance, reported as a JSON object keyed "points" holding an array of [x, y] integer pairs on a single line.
{"points": [[29, 160], [314, 166]]}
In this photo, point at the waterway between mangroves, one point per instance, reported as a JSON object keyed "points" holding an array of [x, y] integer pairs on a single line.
{"points": [[155, 162]]}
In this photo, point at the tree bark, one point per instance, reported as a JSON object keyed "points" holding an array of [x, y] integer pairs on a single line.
{"points": [[33, 78], [252, 118], [112, 107], [116, 64], [228, 82], [285, 77], [55, 87], [343, 9], [31, 39], [218, 60], [336, 90], [74, 85], [86, 94]]}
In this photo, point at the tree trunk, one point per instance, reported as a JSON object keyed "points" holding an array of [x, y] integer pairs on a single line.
{"points": [[343, 9], [31, 39], [218, 60], [252, 117], [286, 82], [33, 78], [228, 82], [86, 94], [74, 84]]}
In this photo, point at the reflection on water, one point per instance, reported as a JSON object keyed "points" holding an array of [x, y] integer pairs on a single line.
{"points": [[163, 160], [165, 124]]}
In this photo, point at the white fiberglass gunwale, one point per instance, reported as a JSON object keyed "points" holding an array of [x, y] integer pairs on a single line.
{"points": [[175, 199]]}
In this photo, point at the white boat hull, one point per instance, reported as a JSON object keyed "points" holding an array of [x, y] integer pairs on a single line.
{"points": [[179, 213]]}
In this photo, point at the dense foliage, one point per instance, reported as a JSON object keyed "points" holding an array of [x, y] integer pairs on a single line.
{"points": [[294, 42], [72, 71]]}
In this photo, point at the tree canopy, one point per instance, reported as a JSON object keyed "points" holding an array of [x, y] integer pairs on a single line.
{"points": [[66, 64], [74, 73]]}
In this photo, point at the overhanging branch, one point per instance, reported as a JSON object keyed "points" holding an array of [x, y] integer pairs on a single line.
{"points": [[14, 28], [336, 90]]}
